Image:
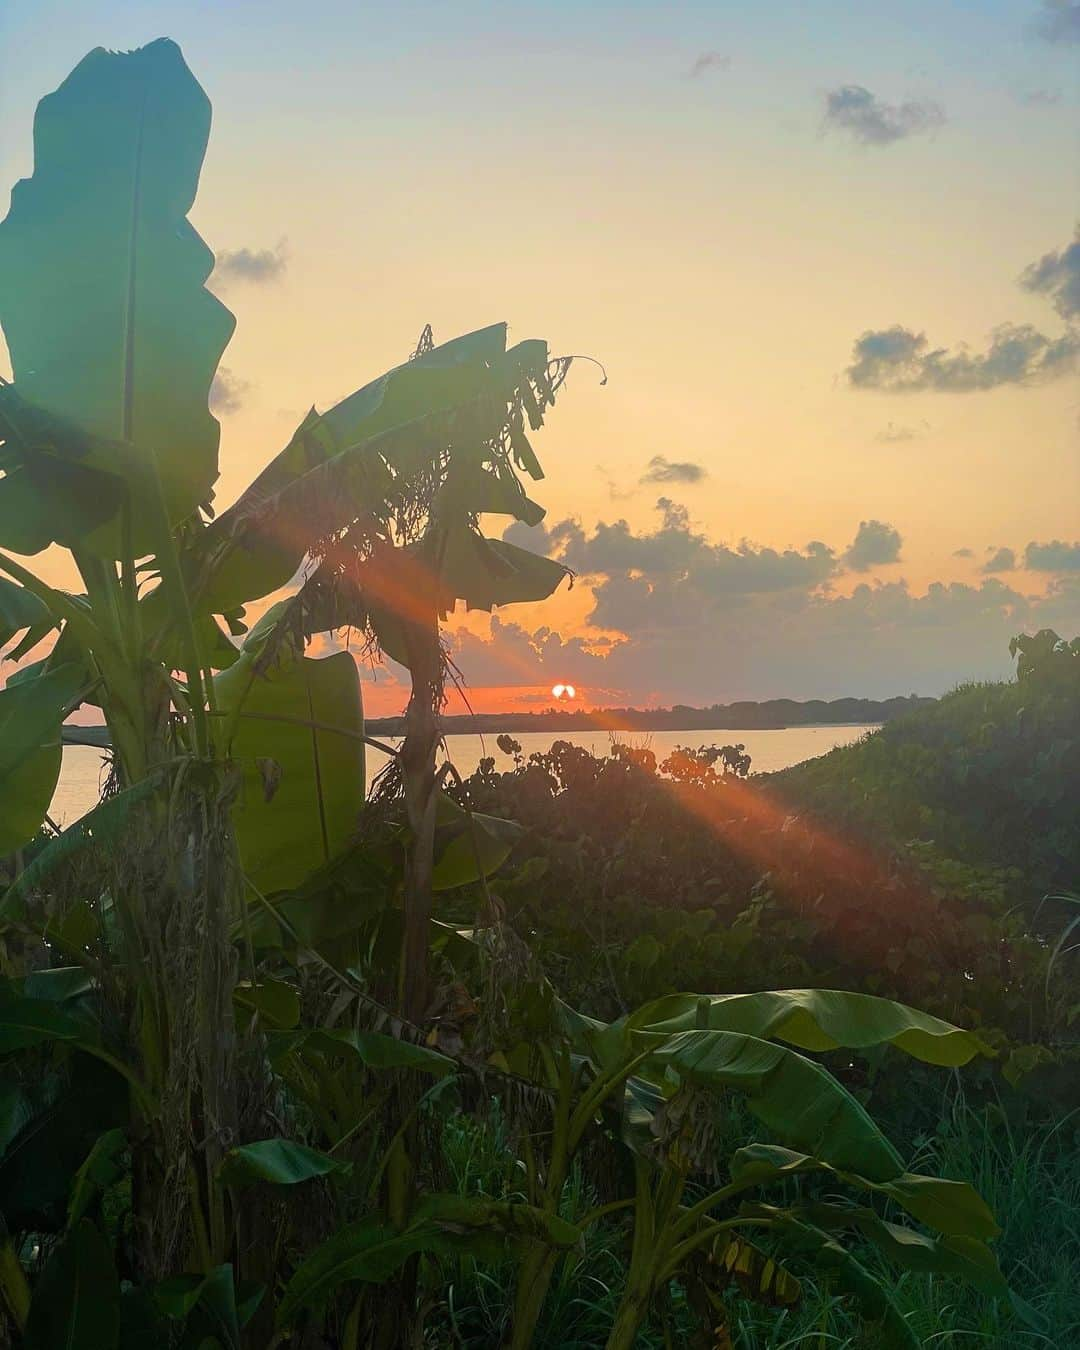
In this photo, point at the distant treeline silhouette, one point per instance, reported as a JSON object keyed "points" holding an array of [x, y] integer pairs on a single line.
{"points": [[747, 716]]}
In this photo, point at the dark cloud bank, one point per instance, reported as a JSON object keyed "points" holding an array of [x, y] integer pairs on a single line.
{"points": [[699, 622]]}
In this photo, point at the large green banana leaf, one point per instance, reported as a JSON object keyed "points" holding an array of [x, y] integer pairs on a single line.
{"points": [[795, 1097], [303, 784], [76, 1301], [812, 1019], [31, 712], [488, 572], [370, 1250], [386, 591], [469, 844], [964, 1257], [951, 1207], [342, 463], [19, 609], [101, 289], [276, 1162], [890, 1329]]}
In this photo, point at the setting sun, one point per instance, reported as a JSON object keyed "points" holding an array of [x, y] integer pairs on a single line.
{"points": [[563, 691]]}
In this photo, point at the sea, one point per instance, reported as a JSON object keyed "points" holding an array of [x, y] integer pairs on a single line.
{"points": [[83, 768]]}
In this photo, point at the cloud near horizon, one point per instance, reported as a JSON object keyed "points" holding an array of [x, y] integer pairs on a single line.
{"points": [[875, 545], [852, 108], [1056, 556], [676, 617], [880, 641], [673, 563], [1001, 560]]}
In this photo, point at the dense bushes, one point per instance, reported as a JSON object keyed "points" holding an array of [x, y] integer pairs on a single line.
{"points": [[990, 776], [868, 868]]}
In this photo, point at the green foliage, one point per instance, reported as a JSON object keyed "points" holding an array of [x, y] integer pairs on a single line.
{"points": [[303, 784], [1016, 1167], [1046, 656], [20, 609], [277, 1162], [630, 885], [952, 1207], [988, 776], [30, 718], [813, 1019], [76, 1303], [224, 1128], [106, 317]]}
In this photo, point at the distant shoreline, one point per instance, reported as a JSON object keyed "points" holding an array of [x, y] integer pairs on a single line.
{"points": [[777, 714], [772, 715]]}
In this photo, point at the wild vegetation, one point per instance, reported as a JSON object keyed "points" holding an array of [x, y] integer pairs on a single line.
{"points": [[288, 1067], [635, 875]]}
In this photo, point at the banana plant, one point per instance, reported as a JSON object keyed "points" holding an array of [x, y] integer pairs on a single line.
{"points": [[655, 1083], [236, 771]]}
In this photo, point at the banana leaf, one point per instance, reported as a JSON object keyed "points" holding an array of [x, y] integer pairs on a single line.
{"points": [[952, 1207], [102, 300], [963, 1257], [31, 712], [303, 784], [812, 1019], [469, 844], [489, 572], [891, 1330], [799, 1100], [19, 609], [370, 1250], [76, 1301], [276, 1162], [343, 463]]}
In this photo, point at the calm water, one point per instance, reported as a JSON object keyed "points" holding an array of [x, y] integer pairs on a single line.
{"points": [[81, 775]]}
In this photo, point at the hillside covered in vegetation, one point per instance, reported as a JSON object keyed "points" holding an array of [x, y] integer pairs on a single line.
{"points": [[988, 776], [913, 864]]}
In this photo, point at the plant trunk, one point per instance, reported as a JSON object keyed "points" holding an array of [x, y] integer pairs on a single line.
{"points": [[534, 1280], [418, 768], [399, 1318], [176, 890], [628, 1319]]}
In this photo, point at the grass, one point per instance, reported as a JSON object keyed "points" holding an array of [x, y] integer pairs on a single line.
{"points": [[474, 1312], [1029, 1174]]}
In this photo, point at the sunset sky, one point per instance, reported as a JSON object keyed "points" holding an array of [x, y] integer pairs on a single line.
{"points": [[826, 252]]}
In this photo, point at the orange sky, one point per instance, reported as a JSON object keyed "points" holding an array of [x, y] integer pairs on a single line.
{"points": [[679, 194]]}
